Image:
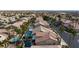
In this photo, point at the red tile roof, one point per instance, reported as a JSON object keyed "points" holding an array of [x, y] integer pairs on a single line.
{"points": [[42, 36]]}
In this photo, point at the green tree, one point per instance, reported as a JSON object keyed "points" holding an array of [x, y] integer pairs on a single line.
{"points": [[62, 29], [46, 18], [18, 30], [33, 20]]}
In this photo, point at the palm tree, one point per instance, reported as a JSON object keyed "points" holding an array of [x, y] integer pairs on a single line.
{"points": [[18, 30], [24, 27], [33, 20], [61, 29], [59, 16], [47, 18]]}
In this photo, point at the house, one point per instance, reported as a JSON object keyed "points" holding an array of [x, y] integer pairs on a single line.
{"points": [[3, 37], [42, 23], [12, 32], [75, 26], [67, 23], [40, 19], [43, 29], [18, 24], [4, 21], [24, 19], [3, 31], [33, 15], [43, 38], [3, 34], [12, 19]]}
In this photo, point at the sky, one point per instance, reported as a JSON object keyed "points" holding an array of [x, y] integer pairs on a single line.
{"points": [[39, 4]]}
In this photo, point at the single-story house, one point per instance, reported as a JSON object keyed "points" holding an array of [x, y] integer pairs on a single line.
{"points": [[3, 37], [24, 19], [43, 29], [43, 38], [42, 23], [18, 24]]}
